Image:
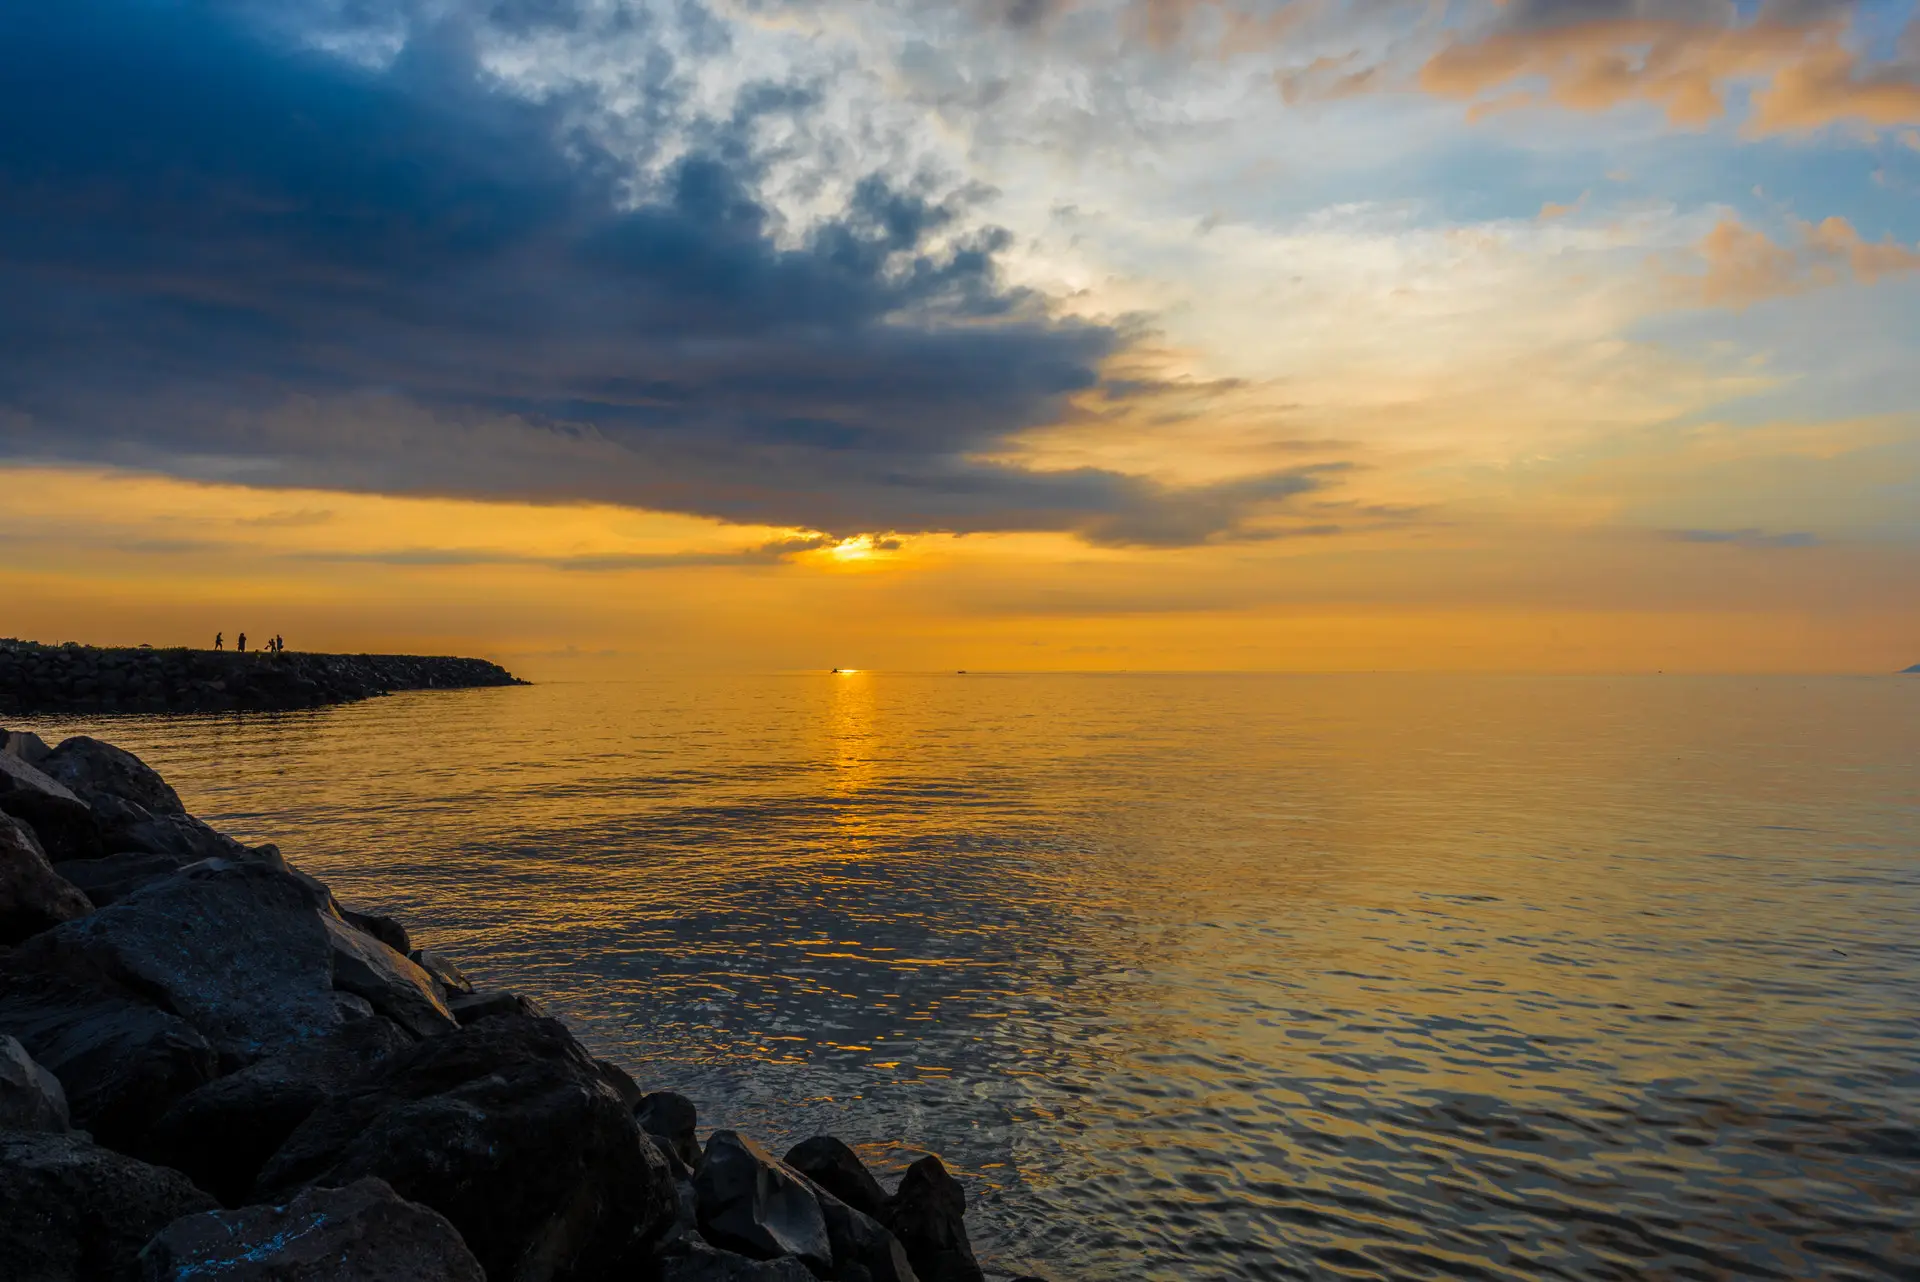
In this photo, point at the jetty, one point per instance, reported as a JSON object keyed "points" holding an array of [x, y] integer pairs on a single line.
{"points": [[37, 678]]}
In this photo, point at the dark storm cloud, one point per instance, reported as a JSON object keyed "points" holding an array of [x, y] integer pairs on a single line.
{"points": [[225, 254]]}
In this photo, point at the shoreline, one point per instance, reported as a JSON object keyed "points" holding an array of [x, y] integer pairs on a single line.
{"points": [[69, 678], [209, 1064]]}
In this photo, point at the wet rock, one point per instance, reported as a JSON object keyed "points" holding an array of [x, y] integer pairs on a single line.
{"points": [[113, 878], [392, 985], [33, 897], [507, 1129], [927, 1214], [64, 825], [71, 1211], [696, 1261], [31, 1098], [471, 1008], [364, 1232], [237, 950], [445, 971], [222, 1133], [838, 1169], [121, 1061], [96, 770], [671, 1118], [750, 1202], [381, 927]]}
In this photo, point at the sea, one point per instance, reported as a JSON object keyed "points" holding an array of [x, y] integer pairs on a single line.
{"points": [[1195, 976]]}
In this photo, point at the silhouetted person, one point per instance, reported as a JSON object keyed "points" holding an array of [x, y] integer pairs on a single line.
{"points": [[279, 644], [241, 644], [219, 640]]}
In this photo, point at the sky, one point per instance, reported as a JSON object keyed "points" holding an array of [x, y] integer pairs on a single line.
{"points": [[589, 335]]}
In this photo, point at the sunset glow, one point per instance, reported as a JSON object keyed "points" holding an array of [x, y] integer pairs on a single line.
{"points": [[1114, 335]]}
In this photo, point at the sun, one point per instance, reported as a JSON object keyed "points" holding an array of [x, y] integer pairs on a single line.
{"points": [[857, 548]]}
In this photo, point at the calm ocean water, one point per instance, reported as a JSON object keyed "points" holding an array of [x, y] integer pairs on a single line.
{"points": [[1198, 977]]}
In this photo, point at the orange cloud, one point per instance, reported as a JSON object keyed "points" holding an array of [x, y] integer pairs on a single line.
{"points": [[1804, 75], [1745, 266]]}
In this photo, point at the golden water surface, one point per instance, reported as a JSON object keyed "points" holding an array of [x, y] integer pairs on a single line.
{"points": [[1198, 977]]}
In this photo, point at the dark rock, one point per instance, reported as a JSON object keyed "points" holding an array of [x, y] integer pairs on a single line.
{"points": [[126, 827], [671, 1119], [94, 770], [108, 880], [696, 1261], [223, 1133], [24, 744], [927, 1214], [33, 897], [383, 928], [443, 969], [750, 1202], [622, 1082], [64, 825], [391, 984], [71, 1211], [30, 1097], [471, 1008], [863, 1251], [838, 1169], [239, 951], [508, 1130], [364, 1232], [122, 1062]]}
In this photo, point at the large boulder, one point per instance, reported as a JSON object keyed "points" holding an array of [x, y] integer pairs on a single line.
{"points": [[112, 878], [127, 827], [394, 986], [835, 1167], [927, 1214], [696, 1261], [33, 897], [863, 1250], [222, 1133], [24, 744], [121, 1061], [471, 1008], [96, 770], [671, 1119], [31, 1098], [238, 950], [508, 1129], [64, 824], [364, 1232], [751, 1202], [71, 1211]]}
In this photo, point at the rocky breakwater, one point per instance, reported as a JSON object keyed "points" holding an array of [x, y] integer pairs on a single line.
{"points": [[80, 678], [211, 1067]]}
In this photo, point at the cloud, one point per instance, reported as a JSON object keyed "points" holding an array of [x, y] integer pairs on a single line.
{"points": [[1743, 265], [1745, 538], [769, 553], [1801, 60], [226, 253]]}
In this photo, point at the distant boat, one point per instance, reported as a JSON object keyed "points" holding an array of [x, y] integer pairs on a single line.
{"points": [[1915, 669]]}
